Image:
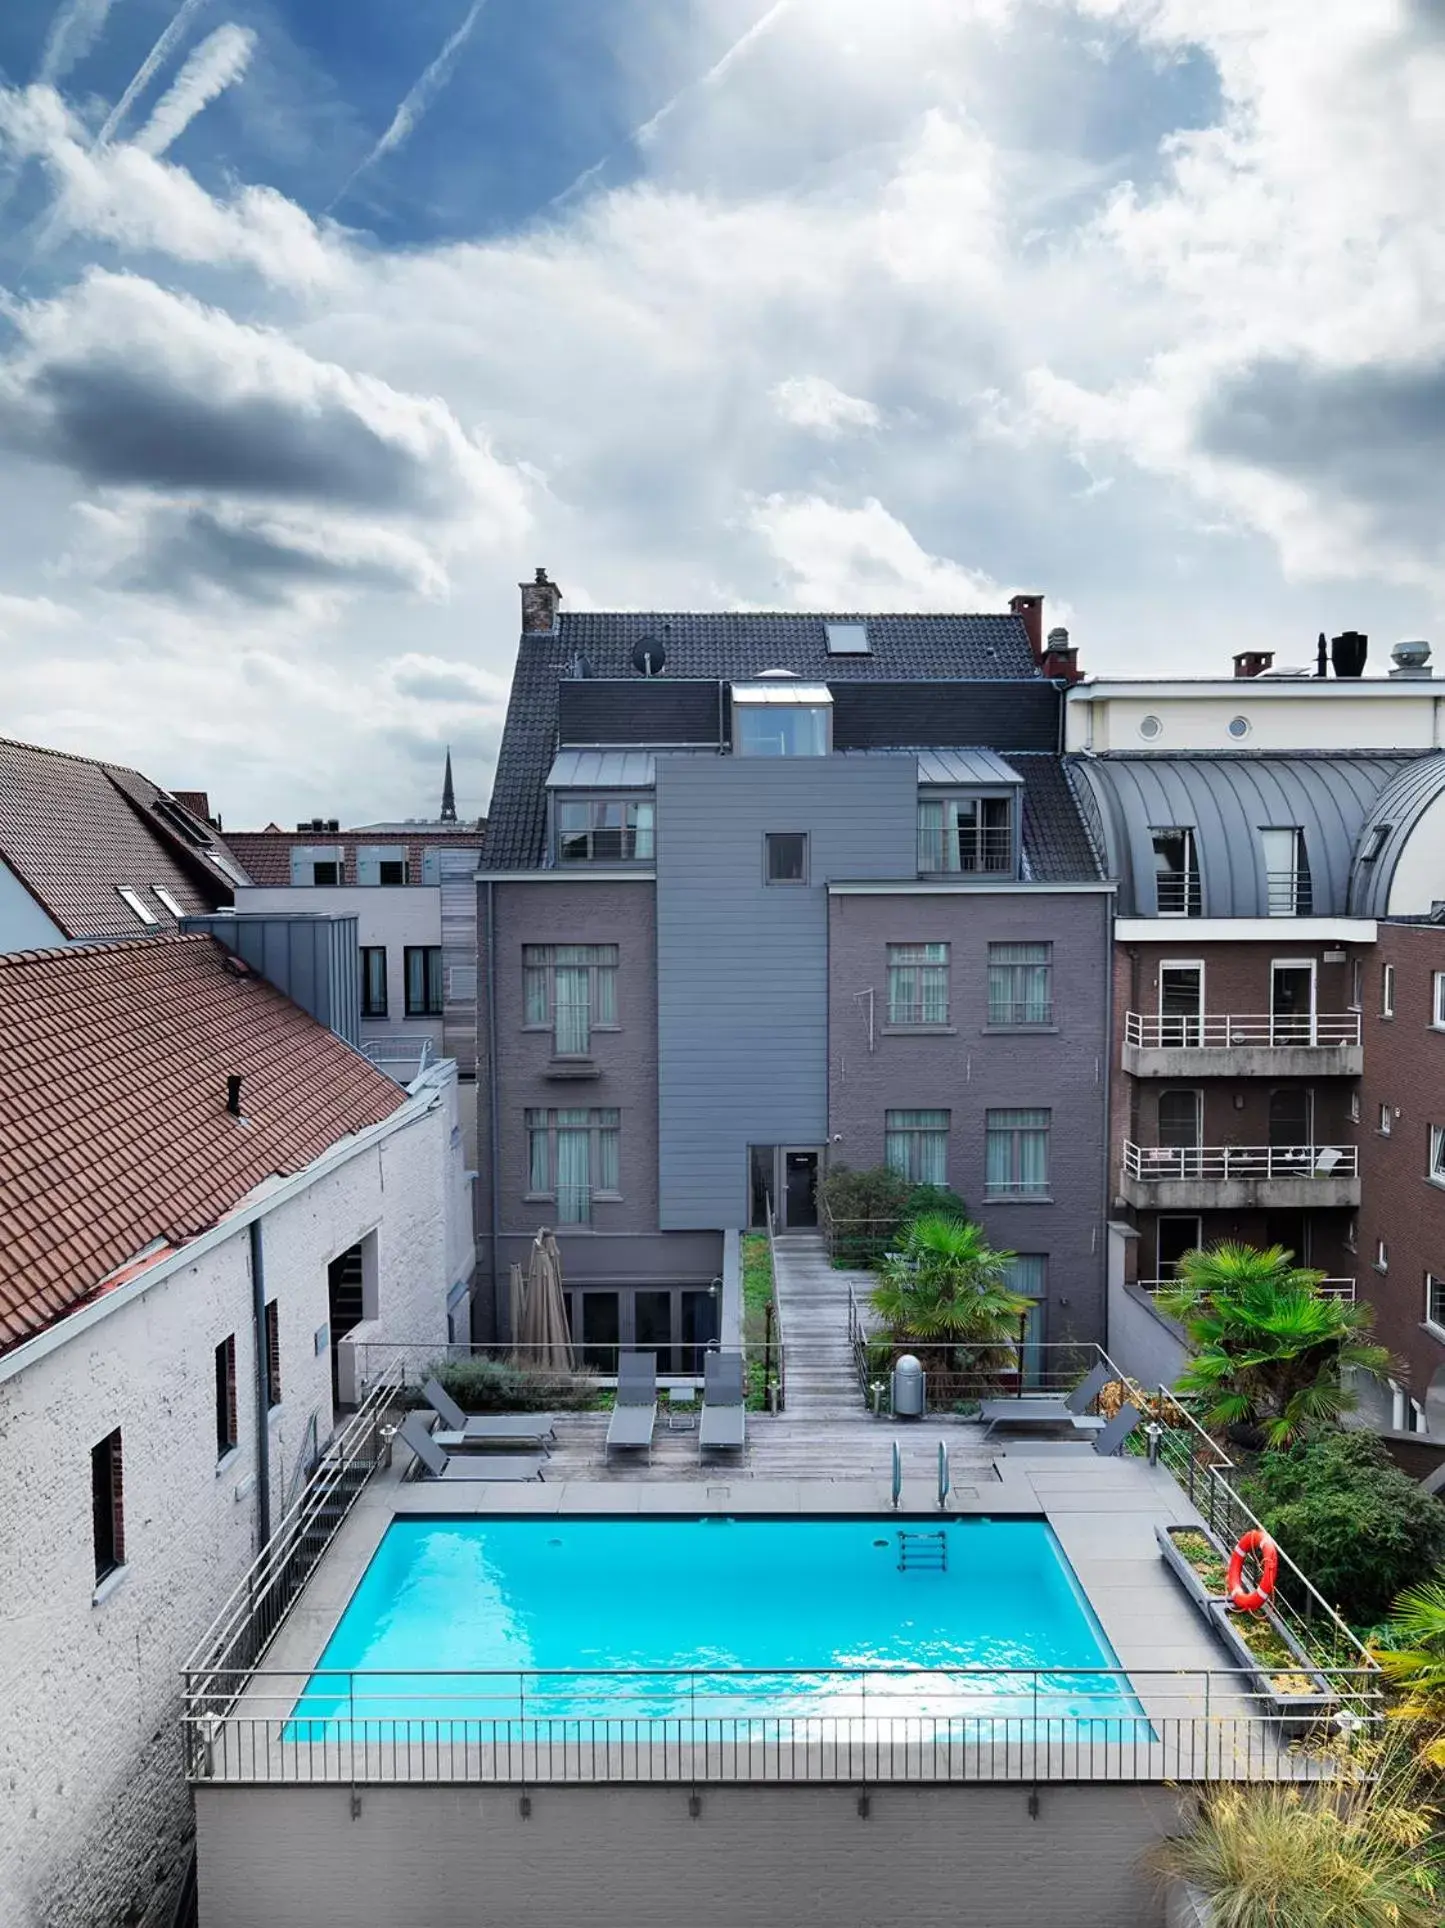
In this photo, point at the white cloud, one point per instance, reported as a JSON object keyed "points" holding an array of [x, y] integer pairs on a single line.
{"points": [[863, 559], [215, 65], [73, 31], [812, 401]]}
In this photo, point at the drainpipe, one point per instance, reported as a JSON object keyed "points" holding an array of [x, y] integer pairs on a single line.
{"points": [[1110, 908], [263, 1401], [493, 1096]]}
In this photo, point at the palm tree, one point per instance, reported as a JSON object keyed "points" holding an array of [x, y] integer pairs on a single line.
{"points": [[943, 1292], [1418, 1666], [1270, 1349]]}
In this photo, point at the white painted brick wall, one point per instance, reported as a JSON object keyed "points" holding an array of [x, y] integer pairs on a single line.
{"points": [[94, 1815]]}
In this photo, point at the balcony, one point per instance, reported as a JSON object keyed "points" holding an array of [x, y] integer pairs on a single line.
{"points": [[1275, 1045], [1237, 1178], [1329, 1288], [969, 851]]}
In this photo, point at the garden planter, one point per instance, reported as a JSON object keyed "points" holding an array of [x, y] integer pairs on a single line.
{"points": [[1297, 1709], [1183, 1572], [1186, 1907]]}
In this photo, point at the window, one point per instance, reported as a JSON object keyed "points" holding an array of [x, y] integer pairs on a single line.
{"points": [[1352, 1236], [1354, 1107], [1288, 892], [1436, 1173], [1387, 990], [785, 856], [373, 980], [915, 1145], [273, 1352], [390, 871], [167, 901], [107, 1504], [133, 901], [1181, 1119], [1020, 984], [1176, 873], [326, 874], [1435, 1300], [604, 830], [1437, 1000], [1386, 1116], [966, 834], [570, 989], [918, 984], [1357, 984], [781, 718], [1017, 1154], [1028, 1276], [227, 1432], [847, 639], [573, 1157], [1382, 1256], [423, 981]]}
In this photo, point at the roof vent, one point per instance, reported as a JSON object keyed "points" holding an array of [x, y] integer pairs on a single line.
{"points": [[848, 639], [777, 675], [1411, 659], [579, 669], [650, 656]]}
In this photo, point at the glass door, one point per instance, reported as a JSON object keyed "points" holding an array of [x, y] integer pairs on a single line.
{"points": [[1292, 1001], [1181, 1004]]}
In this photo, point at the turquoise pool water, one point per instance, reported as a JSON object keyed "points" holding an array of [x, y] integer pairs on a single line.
{"points": [[582, 1619]]}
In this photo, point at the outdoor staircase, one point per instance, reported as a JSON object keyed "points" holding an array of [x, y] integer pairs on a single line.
{"points": [[922, 1552], [812, 1301]]}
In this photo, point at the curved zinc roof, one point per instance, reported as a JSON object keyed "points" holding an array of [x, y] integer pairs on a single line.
{"points": [[1387, 829], [1227, 799]]}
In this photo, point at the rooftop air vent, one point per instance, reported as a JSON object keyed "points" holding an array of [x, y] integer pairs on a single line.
{"points": [[848, 639], [579, 669], [650, 656], [1411, 659]]}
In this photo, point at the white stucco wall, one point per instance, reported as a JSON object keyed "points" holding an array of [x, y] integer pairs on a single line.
{"points": [[1283, 714], [24, 926], [1419, 880], [94, 1816]]}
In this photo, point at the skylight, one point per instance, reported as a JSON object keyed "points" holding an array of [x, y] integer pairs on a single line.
{"points": [[133, 901], [848, 639], [166, 898]]}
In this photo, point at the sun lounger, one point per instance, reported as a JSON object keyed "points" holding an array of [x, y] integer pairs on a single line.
{"points": [[1106, 1443], [1035, 1410], [635, 1414], [459, 1430], [437, 1464], [723, 1425]]}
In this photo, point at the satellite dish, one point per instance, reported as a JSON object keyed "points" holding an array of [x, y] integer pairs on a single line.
{"points": [[650, 656]]}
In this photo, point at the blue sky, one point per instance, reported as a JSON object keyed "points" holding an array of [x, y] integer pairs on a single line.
{"points": [[354, 314]]}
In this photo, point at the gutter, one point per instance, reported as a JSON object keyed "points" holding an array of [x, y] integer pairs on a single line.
{"points": [[255, 1207]]}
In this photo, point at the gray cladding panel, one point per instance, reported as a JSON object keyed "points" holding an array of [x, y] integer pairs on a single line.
{"points": [[1396, 812], [742, 966]]}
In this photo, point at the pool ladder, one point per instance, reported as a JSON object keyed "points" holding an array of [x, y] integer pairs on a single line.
{"points": [[923, 1552]]}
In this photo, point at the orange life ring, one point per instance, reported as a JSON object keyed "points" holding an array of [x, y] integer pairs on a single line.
{"points": [[1252, 1542]]}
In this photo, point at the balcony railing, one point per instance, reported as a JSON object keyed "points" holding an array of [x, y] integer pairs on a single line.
{"points": [[1328, 1288], [606, 847], [944, 852], [1178, 893], [1162, 1164], [1289, 893], [1276, 1031]]}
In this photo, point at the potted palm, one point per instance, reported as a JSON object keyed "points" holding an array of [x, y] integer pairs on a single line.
{"points": [[943, 1295], [1270, 1349]]}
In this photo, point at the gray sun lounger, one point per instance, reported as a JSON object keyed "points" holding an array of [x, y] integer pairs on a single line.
{"points": [[1106, 1443], [635, 1414], [723, 1425], [459, 1430], [1032, 1410], [437, 1464]]}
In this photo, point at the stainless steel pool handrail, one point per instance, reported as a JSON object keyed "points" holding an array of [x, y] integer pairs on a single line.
{"points": [[897, 1475], [943, 1479]]}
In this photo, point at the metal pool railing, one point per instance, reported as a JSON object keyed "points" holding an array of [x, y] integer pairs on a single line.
{"points": [[826, 1725]]}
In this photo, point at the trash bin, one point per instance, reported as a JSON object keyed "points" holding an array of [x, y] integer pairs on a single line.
{"points": [[909, 1388]]}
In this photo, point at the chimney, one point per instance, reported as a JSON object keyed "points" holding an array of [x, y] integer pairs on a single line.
{"points": [[1031, 609], [1348, 652], [1322, 657], [1253, 662], [539, 606], [233, 1094], [1061, 658]]}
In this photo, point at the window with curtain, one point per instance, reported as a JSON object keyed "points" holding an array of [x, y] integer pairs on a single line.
{"points": [[1016, 1163], [915, 1145], [1176, 872], [604, 830], [423, 980], [570, 990], [373, 980], [573, 1157], [1020, 984], [965, 834], [918, 983], [1028, 1276]]}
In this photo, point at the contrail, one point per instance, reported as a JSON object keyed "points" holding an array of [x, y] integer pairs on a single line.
{"points": [[73, 32], [149, 67], [220, 59], [414, 106], [641, 136]]}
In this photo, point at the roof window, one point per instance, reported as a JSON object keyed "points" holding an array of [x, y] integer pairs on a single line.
{"points": [[163, 896], [848, 639], [133, 901], [781, 718]]}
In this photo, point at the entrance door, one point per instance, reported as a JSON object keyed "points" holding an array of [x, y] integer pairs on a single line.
{"points": [[800, 1189], [1292, 1001], [1181, 1126], [1176, 1236], [1181, 1004], [344, 1309]]}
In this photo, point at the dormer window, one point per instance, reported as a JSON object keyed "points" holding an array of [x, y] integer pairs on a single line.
{"points": [[781, 718], [604, 830], [1176, 872], [971, 835]]}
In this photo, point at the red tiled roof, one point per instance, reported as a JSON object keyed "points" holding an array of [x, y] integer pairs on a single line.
{"points": [[114, 1131], [75, 831], [266, 854]]}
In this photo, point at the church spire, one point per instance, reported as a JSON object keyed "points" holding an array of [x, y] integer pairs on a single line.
{"points": [[449, 800]]}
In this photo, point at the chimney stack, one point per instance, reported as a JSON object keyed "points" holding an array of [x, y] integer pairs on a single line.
{"points": [[1348, 652], [1031, 609], [539, 606], [233, 1094], [1061, 658], [1253, 662]]}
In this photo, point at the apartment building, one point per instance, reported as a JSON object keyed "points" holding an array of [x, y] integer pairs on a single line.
{"points": [[1267, 833], [763, 893], [215, 1204]]}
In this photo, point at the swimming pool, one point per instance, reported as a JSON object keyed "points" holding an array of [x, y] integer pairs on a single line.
{"points": [[578, 1620]]}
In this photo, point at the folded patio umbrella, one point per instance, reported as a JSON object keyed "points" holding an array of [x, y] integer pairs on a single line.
{"points": [[545, 1338]]}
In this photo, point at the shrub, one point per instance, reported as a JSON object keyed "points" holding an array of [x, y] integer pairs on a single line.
{"points": [[483, 1385], [868, 1210], [1357, 1526]]}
